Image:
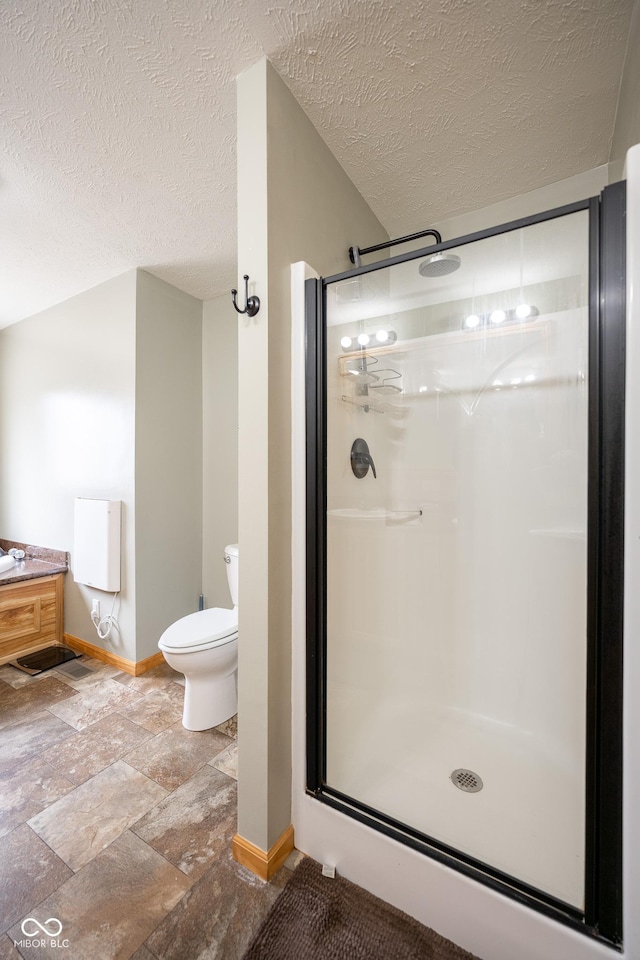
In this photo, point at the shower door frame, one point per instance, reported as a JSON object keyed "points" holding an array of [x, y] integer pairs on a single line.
{"points": [[602, 916]]}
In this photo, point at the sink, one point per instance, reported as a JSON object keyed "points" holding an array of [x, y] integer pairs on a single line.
{"points": [[6, 563]]}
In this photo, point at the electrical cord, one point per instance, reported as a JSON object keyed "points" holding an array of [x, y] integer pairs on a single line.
{"points": [[103, 626]]}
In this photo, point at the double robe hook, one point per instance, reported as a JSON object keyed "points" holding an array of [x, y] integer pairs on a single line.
{"points": [[252, 304]]}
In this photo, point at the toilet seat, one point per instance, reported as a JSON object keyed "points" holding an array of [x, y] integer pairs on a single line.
{"points": [[201, 631]]}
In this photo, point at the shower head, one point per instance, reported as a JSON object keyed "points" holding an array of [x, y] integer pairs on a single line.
{"points": [[439, 265]]}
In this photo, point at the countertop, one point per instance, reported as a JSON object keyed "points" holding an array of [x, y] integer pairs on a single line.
{"points": [[38, 562]]}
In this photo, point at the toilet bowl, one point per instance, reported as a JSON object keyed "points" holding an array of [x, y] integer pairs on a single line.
{"points": [[204, 647]]}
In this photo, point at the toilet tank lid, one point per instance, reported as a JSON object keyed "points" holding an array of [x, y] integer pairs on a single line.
{"points": [[232, 548]]}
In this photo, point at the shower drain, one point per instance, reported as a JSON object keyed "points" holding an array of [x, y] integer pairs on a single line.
{"points": [[466, 780]]}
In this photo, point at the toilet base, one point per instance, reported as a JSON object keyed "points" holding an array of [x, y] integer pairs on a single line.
{"points": [[206, 706]]}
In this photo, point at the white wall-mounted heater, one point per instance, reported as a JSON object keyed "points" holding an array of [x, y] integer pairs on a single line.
{"points": [[96, 546]]}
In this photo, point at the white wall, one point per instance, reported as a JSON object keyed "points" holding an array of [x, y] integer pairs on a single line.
{"points": [[582, 185], [219, 444], [254, 759], [631, 758], [67, 408], [294, 200], [626, 132], [490, 926], [168, 458], [100, 396]]}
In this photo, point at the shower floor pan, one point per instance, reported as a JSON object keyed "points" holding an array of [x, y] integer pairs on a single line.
{"points": [[527, 820]]}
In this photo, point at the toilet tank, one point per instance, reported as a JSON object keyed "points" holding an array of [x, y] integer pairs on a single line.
{"points": [[231, 560]]}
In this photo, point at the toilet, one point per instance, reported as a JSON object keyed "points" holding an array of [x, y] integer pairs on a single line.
{"points": [[204, 647]]}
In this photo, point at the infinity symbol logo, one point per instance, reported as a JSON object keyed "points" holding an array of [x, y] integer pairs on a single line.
{"points": [[52, 927]]}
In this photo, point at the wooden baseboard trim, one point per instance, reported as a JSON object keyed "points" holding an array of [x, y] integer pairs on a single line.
{"points": [[264, 863], [105, 656]]}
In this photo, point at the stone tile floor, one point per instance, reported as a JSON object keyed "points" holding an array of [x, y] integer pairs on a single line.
{"points": [[117, 822]]}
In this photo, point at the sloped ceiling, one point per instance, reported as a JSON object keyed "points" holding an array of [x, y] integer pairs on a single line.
{"points": [[118, 120]]}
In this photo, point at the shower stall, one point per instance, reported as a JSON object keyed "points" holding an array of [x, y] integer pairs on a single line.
{"points": [[464, 554]]}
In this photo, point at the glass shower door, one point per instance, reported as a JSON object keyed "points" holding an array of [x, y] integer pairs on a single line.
{"points": [[456, 550]]}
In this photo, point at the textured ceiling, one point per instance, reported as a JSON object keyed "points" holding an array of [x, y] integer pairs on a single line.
{"points": [[117, 120]]}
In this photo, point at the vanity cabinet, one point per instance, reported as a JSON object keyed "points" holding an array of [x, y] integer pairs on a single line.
{"points": [[31, 615]]}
